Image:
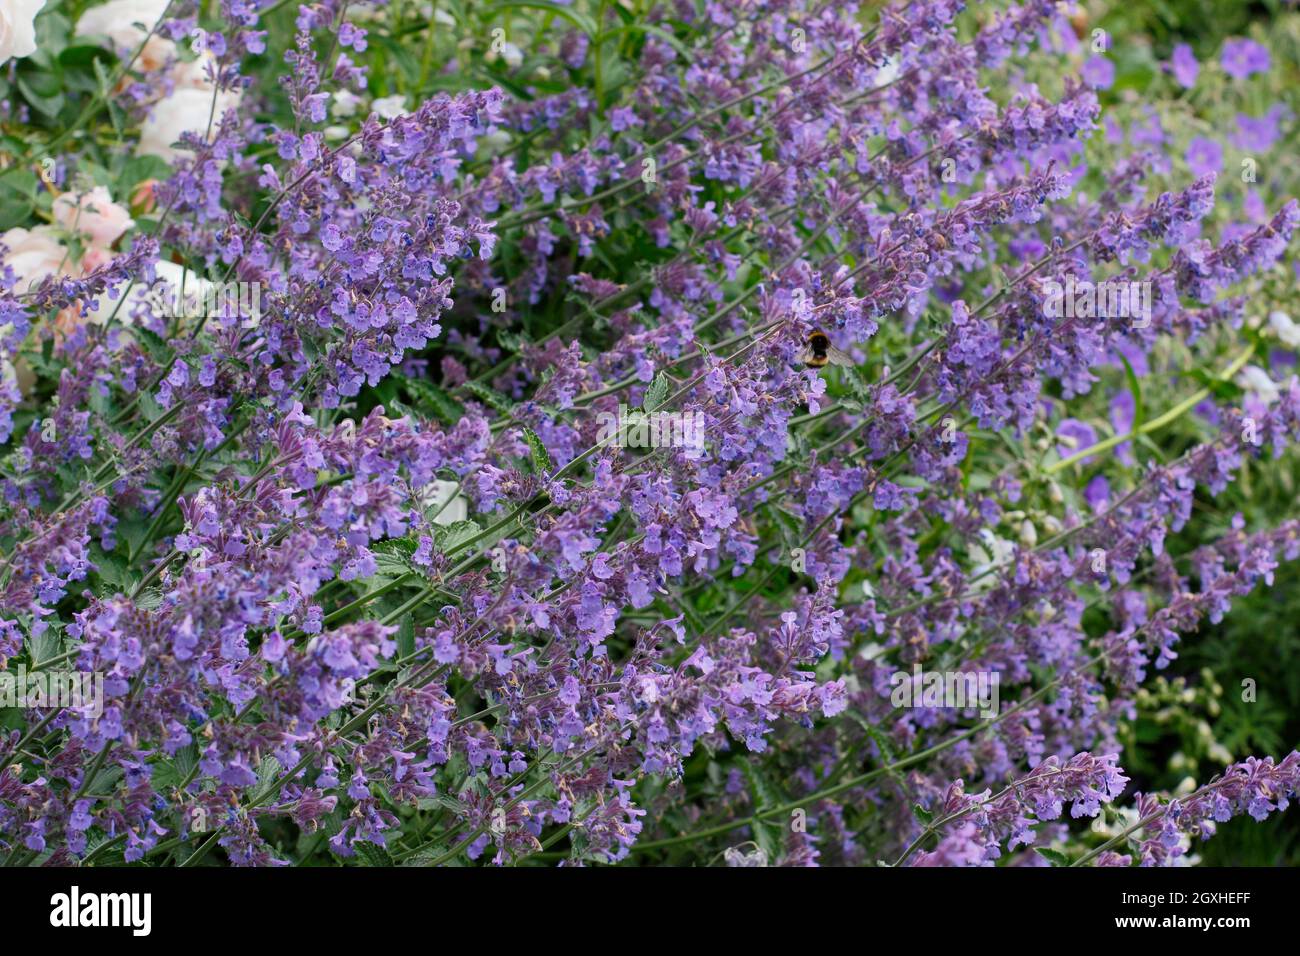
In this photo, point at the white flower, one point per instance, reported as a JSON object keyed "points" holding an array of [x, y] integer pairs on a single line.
{"points": [[17, 28], [1287, 331], [345, 103], [1255, 380], [390, 107], [127, 23], [508, 52], [34, 254], [186, 110]]}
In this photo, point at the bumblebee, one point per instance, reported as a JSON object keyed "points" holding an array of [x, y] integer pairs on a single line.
{"points": [[818, 352]]}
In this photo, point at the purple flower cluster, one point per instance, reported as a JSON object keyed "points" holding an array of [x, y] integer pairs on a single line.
{"points": [[363, 562]]}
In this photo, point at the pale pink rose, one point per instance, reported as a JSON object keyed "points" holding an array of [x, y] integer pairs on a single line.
{"points": [[95, 257], [157, 51], [93, 215], [193, 74], [17, 28], [34, 254], [186, 110], [127, 23]]}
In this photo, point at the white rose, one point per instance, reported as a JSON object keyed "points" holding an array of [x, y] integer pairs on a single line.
{"points": [[127, 23], [186, 110], [94, 215], [390, 107], [1255, 380], [17, 28], [345, 103], [1287, 331], [193, 74], [34, 254]]}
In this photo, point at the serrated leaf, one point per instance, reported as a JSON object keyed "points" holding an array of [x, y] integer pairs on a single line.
{"points": [[453, 535], [266, 776], [150, 599], [371, 854], [44, 646], [433, 399], [115, 572], [106, 780], [767, 833], [490, 397], [393, 556], [541, 457], [656, 393], [511, 340], [425, 857], [452, 804]]}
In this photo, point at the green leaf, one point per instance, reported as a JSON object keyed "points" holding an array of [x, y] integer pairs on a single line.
{"points": [[371, 854], [84, 55], [114, 573], [656, 394], [45, 105], [511, 340], [1055, 857], [41, 83], [406, 636], [457, 807], [46, 645], [392, 556], [266, 776], [434, 400], [541, 458], [456, 533], [426, 856], [767, 833], [17, 198], [139, 168], [580, 20], [490, 397], [661, 33]]}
